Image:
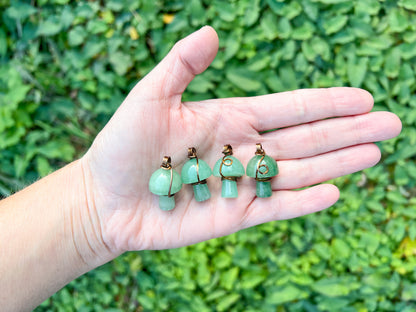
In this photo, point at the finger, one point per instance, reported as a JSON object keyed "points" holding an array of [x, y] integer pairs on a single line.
{"points": [[308, 171], [332, 134], [290, 108], [189, 57], [289, 204]]}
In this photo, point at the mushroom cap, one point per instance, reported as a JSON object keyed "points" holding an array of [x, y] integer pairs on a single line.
{"points": [[189, 171], [160, 180], [267, 161], [236, 169]]}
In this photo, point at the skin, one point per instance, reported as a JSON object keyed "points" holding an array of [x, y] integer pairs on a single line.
{"points": [[99, 206]]}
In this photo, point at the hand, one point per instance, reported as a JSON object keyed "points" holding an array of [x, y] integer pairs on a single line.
{"points": [[152, 122]]}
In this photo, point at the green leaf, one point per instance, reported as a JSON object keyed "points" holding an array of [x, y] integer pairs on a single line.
{"points": [[252, 12], [49, 27], [121, 62], [200, 84], [197, 13], [397, 20], [20, 165], [303, 32], [42, 166], [409, 292], [273, 27], [227, 301], [333, 287], [228, 278], [335, 24], [370, 242], [225, 10], [290, 10], [243, 79], [392, 65], [401, 176], [360, 28], [252, 279], [232, 45], [222, 260], [96, 26], [333, 304], [408, 4], [340, 249], [58, 149], [320, 47], [76, 36], [283, 294], [357, 70], [396, 197], [20, 10]]}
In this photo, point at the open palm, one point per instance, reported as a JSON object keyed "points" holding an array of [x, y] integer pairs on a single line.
{"points": [[152, 122]]}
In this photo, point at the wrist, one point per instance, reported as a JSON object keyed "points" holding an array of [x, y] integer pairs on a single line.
{"points": [[49, 235], [86, 227]]}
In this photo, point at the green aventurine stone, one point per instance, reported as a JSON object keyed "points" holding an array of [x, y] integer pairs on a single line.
{"points": [[229, 189], [267, 161], [189, 171], [236, 169], [160, 181], [201, 192], [166, 202], [263, 189]]}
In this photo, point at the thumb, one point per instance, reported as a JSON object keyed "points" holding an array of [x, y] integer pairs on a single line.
{"points": [[188, 58]]}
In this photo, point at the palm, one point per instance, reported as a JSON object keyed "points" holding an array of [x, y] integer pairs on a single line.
{"points": [[153, 122]]}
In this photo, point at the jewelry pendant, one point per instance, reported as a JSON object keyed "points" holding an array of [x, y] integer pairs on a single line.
{"points": [[165, 182], [262, 168], [195, 172], [229, 169]]}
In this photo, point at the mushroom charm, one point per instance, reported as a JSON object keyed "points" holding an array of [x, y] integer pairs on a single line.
{"points": [[165, 182], [229, 169], [195, 171], [262, 168]]}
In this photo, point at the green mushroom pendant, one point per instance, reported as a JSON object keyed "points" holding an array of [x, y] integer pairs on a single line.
{"points": [[195, 172], [229, 169], [262, 168], [165, 182]]}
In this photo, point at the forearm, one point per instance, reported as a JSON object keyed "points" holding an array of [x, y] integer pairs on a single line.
{"points": [[48, 237]]}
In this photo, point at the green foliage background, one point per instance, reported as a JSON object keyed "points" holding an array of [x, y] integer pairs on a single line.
{"points": [[66, 66]]}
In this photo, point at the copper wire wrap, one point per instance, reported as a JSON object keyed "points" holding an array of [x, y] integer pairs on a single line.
{"points": [[167, 165], [191, 155], [260, 152], [227, 151]]}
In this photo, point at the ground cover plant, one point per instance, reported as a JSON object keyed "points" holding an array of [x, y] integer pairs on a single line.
{"points": [[65, 66]]}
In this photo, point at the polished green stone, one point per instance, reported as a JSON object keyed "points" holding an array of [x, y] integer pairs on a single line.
{"points": [[201, 192], [160, 180], [236, 169], [166, 203], [263, 189], [189, 171], [229, 189], [267, 161]]}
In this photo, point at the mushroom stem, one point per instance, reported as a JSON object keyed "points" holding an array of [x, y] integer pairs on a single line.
{"points": [[263, 189], [166, 202], [201, 192], [229, 189]]}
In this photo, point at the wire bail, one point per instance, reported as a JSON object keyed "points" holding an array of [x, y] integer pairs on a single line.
{"points": [[192, 155], [227, 151], [167, 165], [260, 152]]}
